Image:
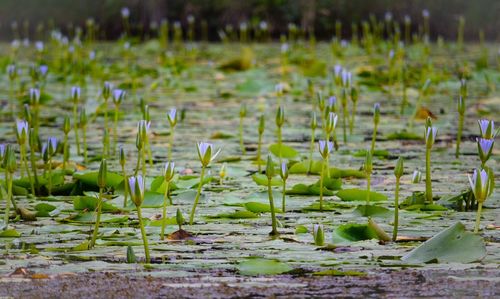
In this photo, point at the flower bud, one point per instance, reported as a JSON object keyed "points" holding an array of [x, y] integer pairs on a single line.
{"points": [[27, 113], [461, 105], [52, 145], [321, 100], [243, 110], [179, 218], [118, 96], [223, 171], [10, 160], [430, 136], [123, 158], [83, 118], [416, 177], [269, 167], [280, 116], [262, 124], [354, 94], [22, 128], [172, 117], [75, 93], [368, 162], [103, 172], [34, 96], [318, 235], [169, 171], [12, 72], [463, 88], [376, 113], [66, 125], [106, 90], [314, 122], [284, 171], [399, 169], [331, 122], [480, 183], [205, 153]]}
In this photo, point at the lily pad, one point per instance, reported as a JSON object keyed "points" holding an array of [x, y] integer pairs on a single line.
{"points": [[359, 195], [287, 152], [261, 266], [454, 244]]}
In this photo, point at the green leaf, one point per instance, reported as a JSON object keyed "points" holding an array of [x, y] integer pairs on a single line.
{"points": [[90, 179], [44, 209], [151, 200], [260, 266], [9, 233], [261, 180], [302, 189], [372, 211], [89, 217], [287, 152], [240, 214], [404, 136], [90, 203], [453, 244], [301, 229], [359, 195], [303, 167], [353, 232], [376, 153], [257, 207]]}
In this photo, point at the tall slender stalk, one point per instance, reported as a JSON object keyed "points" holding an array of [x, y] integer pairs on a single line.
{"points": [[478, 217], [396, 210], [144, 236], [164, 218], [428, 182], [98, 219], [197, 198], [274, 231]]}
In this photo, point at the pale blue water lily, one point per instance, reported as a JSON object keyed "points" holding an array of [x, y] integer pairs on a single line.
{"points": [[125, 12], [172, 117], [484, 148], [480, 184], [22, 128], [331, 122], [43, 69], [169, 171], [325, 147], [52, 145], [75, 93], [332, 101], [205, 153], [118, 96], [136, 187], [487, 128], [106, 90], [416, 177], [34, 96], [284, 170]]}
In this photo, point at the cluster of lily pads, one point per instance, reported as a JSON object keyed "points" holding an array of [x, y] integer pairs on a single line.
{"points": [[45, 162]]}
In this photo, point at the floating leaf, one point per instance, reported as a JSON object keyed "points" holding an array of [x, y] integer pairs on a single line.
{"points": [[376, 153], [261, 266], [359, 195], [372, 211], [89, 217], [287, 152], [90, 179], [301, 229], [302, 189], [43, 209], [9, 233], [90, 203], [353, 232], [454, 244], [261, 180], [257, 207], [241, 214]]}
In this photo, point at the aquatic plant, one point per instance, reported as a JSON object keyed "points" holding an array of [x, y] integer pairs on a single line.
{"points": [[168, 174], [430, 138], [101, 183], [482, 185], [398, 173], [270, 175], [137, 187], [324, 147]]}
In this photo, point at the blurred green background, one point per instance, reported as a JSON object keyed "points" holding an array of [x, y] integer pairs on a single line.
{"points": [[317, 14]]}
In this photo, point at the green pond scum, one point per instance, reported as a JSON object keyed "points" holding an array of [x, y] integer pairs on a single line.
{"points": [[289, 157]]}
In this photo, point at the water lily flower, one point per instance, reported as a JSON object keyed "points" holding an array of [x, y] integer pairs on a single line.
{"points": [[331, 122], [487, 128], [125, 12], [22, 128], [169, 171], [34, 96], [480, 184], [172, 117], [12, 71], [484, 148], [43, 69], [205, 153], [118, 96], [325, 147], [75, 93], [284, 170], [416, 177], [106, 90]]}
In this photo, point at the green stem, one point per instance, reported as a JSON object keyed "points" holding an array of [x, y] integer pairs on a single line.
{"points": [[311, 149], [243, 150], [50, 176], [84, 133], [171, 145], [368, 187], [404, 101], [144, 236], [353, 117], [33, 167], [259, 147], [459, 134], [279, 142], [143, 154], [478, 217], [344, 117], [428, 183], [138, 164], [396, 211], [26, 167], [65, 148], [283, 203], [125, 195], [106, 116], [322, 174], [115, 125], [150, 154], [75, 127], [97, 220], [164, 219], [8, 200], [374, 137], [274, 231], [198, 193]]}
